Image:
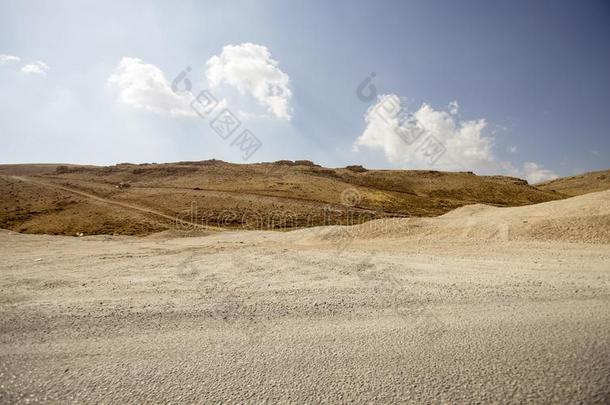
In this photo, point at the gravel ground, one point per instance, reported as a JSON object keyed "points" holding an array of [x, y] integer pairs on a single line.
{"points": [[257, 317]]}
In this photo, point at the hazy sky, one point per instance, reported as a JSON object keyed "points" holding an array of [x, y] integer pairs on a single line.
{"points": [[507, 87]]}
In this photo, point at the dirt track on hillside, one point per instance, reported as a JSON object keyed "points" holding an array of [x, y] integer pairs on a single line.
{"points": [[170, 218], [130, 199]]}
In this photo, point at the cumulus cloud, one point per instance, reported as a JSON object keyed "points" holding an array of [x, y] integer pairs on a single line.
{"points": [[144, 86], [251, 70], [401, 135], [36, 68], [6, 59], [427, 138], [454, 107], [534, 173]]}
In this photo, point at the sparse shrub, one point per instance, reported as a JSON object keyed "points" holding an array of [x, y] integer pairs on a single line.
{"points": [[356, 168], [283, 163], [305, 163]]}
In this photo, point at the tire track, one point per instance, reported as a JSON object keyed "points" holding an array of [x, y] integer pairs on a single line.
{"points": [[103, 200]]}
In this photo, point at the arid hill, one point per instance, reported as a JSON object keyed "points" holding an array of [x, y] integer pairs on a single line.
{"points": [[580, 184], [140, 199]]}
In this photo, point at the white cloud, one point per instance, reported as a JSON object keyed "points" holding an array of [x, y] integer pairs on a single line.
{"points": [[250, 69], [399, 135], [6, 59], [405, 138], [513, 149], [534, 173], [247, 67], [454, 107], [144, 86], [36, 68]]}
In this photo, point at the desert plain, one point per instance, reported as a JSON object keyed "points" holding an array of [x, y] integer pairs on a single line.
{"points": [[470, 301]]}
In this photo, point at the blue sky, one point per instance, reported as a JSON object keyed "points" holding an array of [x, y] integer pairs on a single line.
{"points": [[87, 82]]}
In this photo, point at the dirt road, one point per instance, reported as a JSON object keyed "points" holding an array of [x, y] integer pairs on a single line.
{"points": [[254, 317], [172, 218]]}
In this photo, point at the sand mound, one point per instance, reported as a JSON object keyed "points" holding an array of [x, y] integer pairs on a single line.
{"points": [[579, 219]]}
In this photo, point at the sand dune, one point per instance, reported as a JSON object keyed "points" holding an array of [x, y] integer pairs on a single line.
{"points": [[584, 219]]}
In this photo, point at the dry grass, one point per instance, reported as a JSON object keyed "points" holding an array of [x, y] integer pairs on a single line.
{"points": [[66, 199], [580, 184]]}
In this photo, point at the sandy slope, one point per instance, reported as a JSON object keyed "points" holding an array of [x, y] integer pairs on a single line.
{"points": [[476, 305], [582, 219]]}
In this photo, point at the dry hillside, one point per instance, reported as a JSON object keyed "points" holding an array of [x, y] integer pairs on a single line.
{"points": [[580, 184], [142, 199]]}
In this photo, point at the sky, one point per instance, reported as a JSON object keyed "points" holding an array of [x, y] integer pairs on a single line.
{"points": [[517, 88]]}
